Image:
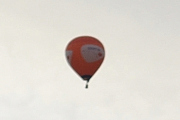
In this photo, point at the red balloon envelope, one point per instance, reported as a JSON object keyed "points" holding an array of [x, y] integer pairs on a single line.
{"points": [[85, 55]]}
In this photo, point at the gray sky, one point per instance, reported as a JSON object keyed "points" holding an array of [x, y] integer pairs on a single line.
{"points": [[138, 80]]}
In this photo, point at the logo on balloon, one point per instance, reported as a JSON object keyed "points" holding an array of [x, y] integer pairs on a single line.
{"points": [[92, 53], [69, 56]]}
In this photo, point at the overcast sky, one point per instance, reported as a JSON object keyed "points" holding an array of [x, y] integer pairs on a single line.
{"points": [[138, 80]]}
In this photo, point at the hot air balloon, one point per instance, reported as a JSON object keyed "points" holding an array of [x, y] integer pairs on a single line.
{"points": [[85, 54]]}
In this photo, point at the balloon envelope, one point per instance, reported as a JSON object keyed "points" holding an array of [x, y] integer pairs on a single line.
{"points": [[85, 55]]}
